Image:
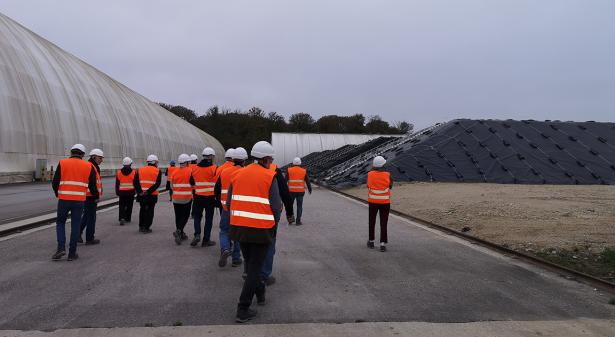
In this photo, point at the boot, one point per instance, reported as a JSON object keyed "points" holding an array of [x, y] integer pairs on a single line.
{"points": [[223, 258], [370, 244], [244, 315], [178, 237], [195, 241], [58, 254]]}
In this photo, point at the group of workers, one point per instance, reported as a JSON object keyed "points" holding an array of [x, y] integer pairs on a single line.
{"points": [[250, 193]]}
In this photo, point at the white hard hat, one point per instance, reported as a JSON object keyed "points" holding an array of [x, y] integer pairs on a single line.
{"points": [[208, 151], [126, 161], [193, 157], [183, 158], [262, 149], [97, 152], [79, 147], [229, 153], [240, 153], [152, 158], [379, 161], [297, 161]]}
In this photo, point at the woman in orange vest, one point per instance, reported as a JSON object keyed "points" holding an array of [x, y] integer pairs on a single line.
{"points": [[379, 185], [297, 180], [147, 182], [71, 182], [255, 207], [90, 206], [125, 189], [181, 185]]}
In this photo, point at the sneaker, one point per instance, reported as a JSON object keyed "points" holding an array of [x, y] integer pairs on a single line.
{"points": [[244, 315], [80, 240], [383, 248], [146, 230], [121, 222], [370, 244], [290, 219], [178, 237], [184, 236], [195, 241], [270, 281], [141, 229], [223, 258], [58, 255], [299, 223], [236, 263], [72, 257], [92, 242], [208, 243]]}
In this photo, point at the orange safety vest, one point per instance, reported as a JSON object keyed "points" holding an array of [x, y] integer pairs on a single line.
{"points": [[98, 183], [170, 171], [273, 167], [296, 179], [74, 178], [147, 177], [250, 205], [204, 180], [225, 182], [126, 181], [378, 183], [180, 183], [227, 164]]}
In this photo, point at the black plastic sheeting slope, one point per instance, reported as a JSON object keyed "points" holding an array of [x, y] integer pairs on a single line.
{"points": [[528, 152]]}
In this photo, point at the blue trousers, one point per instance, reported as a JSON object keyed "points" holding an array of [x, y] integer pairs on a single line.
{"points": [[299, 198], [225, 241], [88, 222], [198, 206], [267, 269], [75, 208]]}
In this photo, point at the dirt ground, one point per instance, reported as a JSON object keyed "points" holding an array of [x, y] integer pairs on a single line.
{"points": [[575, 221]]}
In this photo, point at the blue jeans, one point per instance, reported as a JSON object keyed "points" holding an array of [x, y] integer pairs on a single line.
{"points": [[89, 219], [299, 198], [75, 208], [225, 241], [267, 269], [198, 207]]}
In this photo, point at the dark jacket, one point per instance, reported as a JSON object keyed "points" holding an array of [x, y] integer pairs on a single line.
{"points": [[284, 193], [55, 182], [126, 170]]}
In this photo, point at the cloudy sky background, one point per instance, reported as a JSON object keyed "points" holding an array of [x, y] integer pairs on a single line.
{"points": [[420, 61]]}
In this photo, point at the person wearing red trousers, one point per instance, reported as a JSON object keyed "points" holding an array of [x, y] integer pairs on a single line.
{"points": [[379, 185]]}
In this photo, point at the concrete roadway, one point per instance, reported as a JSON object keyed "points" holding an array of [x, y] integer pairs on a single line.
{"points": [[325, 274]]}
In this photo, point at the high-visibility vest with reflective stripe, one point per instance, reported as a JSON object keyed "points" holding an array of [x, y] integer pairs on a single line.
{"points": [[74, 178], [273, 167], [225, 182], [126, 181], [204, 180], [170, 171], [148, 175], [180, 183], [378, 183], [296, 179], [250, 205], [224, 166], [98, 183]]}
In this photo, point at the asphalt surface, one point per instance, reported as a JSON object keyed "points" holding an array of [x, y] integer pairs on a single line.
{"points": [[19, 201], [324, 271]]}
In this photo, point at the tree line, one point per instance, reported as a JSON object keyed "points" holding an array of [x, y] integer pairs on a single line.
{"points": [[235, 128]]}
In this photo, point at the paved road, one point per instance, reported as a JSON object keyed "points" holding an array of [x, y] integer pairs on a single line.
{"points": [[18, 201], [325, 274]]}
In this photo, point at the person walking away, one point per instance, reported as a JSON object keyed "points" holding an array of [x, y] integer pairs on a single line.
{"points": [[88, 222], [147, 182], [193, 162], [169, 173], [228, 247], [181, 184], [71, 181], [379, 185], [297, 180], [204, 174], [255, 208], [228, 161], [125, 190]]}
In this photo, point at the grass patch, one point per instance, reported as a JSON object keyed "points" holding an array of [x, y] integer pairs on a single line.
{"points": [[601, 265]]}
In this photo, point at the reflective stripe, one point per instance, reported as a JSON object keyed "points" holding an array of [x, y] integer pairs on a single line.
{"points": [[250, 199], [295, 181], [76, 183], [381, 197], [71, 192], [182, 185], [203, 190], [182, 192], [224, 191], [257, 216], [198, 183], [379, 191], [147, 182]]}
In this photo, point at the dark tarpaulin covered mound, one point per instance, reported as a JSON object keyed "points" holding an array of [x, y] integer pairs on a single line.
{"points": [[493, 151]]}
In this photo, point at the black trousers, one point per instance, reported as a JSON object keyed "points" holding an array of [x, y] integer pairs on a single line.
{"points": [[182, 214], [146, 213], [125, 209], [383, 209], [253, 256]]}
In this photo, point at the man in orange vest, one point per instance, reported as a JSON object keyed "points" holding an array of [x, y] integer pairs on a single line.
{"points": [[88, 222], [169, 173], [228, 247], [125, 189], [181, 185], [147, 182], [297, 180], [204, 174], [255, 207], [228, 161], [71, 181], [379, 185]]}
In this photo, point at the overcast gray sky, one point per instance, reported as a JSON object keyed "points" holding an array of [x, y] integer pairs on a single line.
{"points": [[421, 61]]}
